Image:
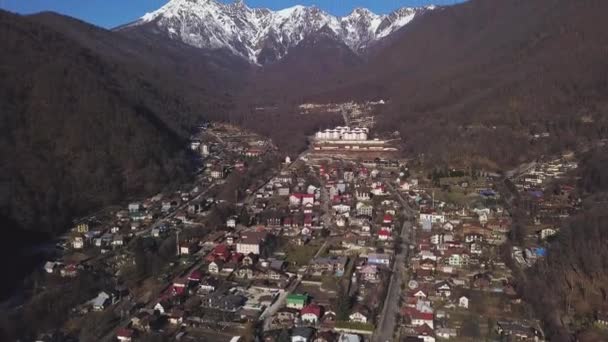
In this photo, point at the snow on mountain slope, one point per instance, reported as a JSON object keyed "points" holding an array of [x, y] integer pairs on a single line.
{"points": [[261, 35]]}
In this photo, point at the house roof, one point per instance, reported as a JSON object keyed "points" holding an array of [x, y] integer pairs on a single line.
{"points": [[311, 309], [303, 332], [195, 275], [297, 297], [101, 299], [424, 330], [252, 237], [124, 332], [415, 314], [220, 249]]}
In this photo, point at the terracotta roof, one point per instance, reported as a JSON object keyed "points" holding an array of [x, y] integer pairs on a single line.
{"points": [[124, 332], [311, 309]]}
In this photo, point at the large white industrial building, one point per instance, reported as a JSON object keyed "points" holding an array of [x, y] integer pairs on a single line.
{"points": [[344, 133]]}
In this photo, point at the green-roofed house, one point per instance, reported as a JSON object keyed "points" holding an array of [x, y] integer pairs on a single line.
{"points": [[296, 301]]}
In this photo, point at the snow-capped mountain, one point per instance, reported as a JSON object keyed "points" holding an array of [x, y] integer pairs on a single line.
{"points": [[261, 35]]}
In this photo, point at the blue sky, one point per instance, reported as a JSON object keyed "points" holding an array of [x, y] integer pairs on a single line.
{"points": [[111, 13]]}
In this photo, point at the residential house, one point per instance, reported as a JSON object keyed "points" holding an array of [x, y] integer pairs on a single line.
{"points": [[369, 273], [100, 302], [162, 307], [208, 284], [476, 248], [195, 276], [446, 333], [69, 271], [329, 319], [425, 333], [427, 264], [518, 330], [379, 259], [215, 267], [310, 314], [217, 172], [332, 265], [176, 317], [463, 302], [545, 233], [179, 287], [473, 237], [287, 315], [341, 209], [443, 289], [283, 191], [186, 248], [124, 334], [362, 193], [384, 234], [431, 216], [302, 334], [251, 242], [51, 266], [296, 301], [455, 257], [364, 209], [360, 314], [245, 272], [326, 336], [117, 240], [249, 259], [78, 242], [297, 199], [418, 318]]}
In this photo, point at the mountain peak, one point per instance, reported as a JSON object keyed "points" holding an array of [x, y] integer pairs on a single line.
{"points": [[361, 11], [261, 35]]}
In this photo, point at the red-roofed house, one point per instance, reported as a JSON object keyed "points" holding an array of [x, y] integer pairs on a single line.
{"points": [[311, 314], [179, 287], [124, 334], [384, 234], [220, 252], [425, 332], [195, 276], [418, 318]]}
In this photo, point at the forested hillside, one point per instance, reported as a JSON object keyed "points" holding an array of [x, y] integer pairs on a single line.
{"points": [[475, 81], [570, 288], [80, 128]]}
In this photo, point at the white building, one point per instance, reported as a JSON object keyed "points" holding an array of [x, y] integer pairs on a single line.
{"points": [[433, 217], [344, 133], [78, 243], [463, 302], [251, 242], [205, 150]]}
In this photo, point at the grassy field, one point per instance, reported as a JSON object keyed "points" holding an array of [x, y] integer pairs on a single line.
{"points": [[301, 255]]}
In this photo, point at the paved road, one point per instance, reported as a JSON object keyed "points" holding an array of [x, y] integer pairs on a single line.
{"points": [[266, 316], [386, 326]]}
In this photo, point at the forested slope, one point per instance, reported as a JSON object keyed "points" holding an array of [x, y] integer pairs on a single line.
{"points": [[570, 287], [79, 129]]}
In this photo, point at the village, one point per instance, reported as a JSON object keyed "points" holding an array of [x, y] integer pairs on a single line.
{"points": [[324, 247]]}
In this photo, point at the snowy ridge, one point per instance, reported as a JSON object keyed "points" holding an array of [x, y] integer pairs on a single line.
{"points": [[261, 35]]}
